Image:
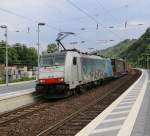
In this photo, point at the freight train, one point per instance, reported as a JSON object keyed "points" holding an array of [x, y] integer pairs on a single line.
{"points": [[64, 73]]}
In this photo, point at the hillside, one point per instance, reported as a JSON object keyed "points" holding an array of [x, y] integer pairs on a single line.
{"points": [[139, 50], [118, 49], [135, 51]]}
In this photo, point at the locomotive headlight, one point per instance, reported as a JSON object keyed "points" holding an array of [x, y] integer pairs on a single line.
{"points": [[42, 81], [61, 79]]}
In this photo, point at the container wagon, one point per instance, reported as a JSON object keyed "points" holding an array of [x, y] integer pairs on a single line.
{"points": [[120, 67]]}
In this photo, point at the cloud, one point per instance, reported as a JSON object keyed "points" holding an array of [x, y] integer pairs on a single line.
{"points": [[64, 17], [138, 23]]}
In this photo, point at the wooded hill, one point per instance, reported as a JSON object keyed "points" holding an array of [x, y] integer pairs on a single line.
{"points": [[135, 51], [116, 50]]}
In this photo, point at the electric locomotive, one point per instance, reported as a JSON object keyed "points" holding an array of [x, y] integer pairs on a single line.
{"points": [[66, 72], [62, 73]]}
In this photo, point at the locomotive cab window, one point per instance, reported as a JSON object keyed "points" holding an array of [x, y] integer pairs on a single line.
{"points": [[74, 60], [52, 60]]}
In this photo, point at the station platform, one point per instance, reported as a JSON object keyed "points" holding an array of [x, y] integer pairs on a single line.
{"points": [[129, 115], [17, 87], [17, 95]]}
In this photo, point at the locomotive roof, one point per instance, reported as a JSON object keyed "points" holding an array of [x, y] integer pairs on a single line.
{"points": [[55, 53], [85, 55]]}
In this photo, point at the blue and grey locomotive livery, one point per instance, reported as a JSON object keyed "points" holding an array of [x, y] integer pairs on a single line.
{"points": [[69, 71], [63, 73]]}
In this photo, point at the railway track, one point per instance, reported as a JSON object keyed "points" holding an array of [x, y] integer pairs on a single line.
{"points": [[24, 112], [76, 121], [53, 117], [19, 113]]}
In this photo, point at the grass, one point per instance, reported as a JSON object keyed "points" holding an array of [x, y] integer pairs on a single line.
{"points": [[18, 80], [2, 82]]}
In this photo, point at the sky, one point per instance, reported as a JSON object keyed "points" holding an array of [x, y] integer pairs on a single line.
{"points": [[78, 16]]}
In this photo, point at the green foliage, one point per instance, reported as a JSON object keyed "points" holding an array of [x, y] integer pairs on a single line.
{"points": [[52, 47], [115, 51], [140, 47], [32, 56], [12, 55], [18, 54], [23, 79], [19, 80], [21, 54], [2, 52], [134, 51], [2, 82]]}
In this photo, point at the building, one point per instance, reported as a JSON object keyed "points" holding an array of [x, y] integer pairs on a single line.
{"points": [[17, 71]]}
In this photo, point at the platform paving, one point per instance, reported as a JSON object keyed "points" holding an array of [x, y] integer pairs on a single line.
{"points": [[129, 115], [17, 87], [142, 124]]}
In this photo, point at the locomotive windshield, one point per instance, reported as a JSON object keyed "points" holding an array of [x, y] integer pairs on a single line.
{"points": [[52, 60]]}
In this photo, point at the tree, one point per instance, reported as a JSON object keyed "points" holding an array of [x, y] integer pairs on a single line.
{"points": [[22, 52], [18, 53], [2, 52], [26, 55], [52, 47], [12, 56], [32, 56]]}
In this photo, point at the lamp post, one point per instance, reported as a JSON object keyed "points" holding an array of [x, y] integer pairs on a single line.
{"points": [[5, 27], [90, 49], [38, 43], [109, 27]]}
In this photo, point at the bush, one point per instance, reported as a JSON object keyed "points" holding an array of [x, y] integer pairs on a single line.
{"points": [[23, 79], [18, 80], [2, 82]]}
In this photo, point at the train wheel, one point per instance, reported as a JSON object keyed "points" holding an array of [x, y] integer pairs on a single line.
{"points": [[79, 90]]}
